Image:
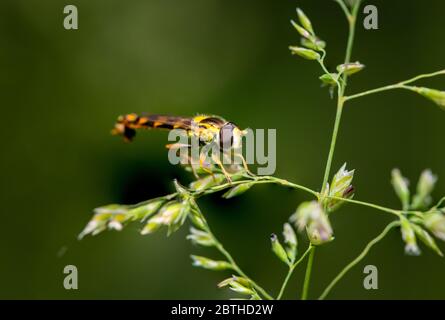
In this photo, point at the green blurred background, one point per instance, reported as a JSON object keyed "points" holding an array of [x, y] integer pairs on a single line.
{"points": [[62, 90]]}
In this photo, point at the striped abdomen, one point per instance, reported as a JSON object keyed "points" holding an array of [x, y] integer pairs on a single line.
{"points": [[126, 125]]}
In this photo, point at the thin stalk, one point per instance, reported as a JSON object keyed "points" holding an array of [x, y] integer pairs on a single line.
{"points": [[377, 90], [291, 271], [352, 24], [282, 182], [229, 257], [371, 205], [359, 258], [352, 20], [439, 203], [307, 277], [269, 179], [423, 76], [344, 8], [333, 142], [325, 70], [400, 85]]}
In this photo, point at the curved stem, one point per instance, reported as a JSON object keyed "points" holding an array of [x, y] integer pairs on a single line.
{"points": [[283, 182], [307, 277], [326, 71], [377, 90], [291, 270], [400, 85], [439, 203], [228, 256], [269, 179], [358, 259], [344, 8], [423, 76]]}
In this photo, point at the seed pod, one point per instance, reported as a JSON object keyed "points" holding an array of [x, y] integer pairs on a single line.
{"points": [[304, 20], [435, 222], [237, 190], [350, 68], [115, 225], [313, 43], [111, 209], [110, 216], [207, 182], [201, 237], [311, 216], [436, 96], [329, 79], [180, 189], [340, 187], [145, 211], [206, 263], [306, 212], [290, 239], [152, 225], [319, 231], [170, 212], [278, 249], [303, 32], [409, 236], [425, 237], [400, 185], [239, 288], [196, 219], [238, 284], [91, 226], [305, 53], [425, 186]]}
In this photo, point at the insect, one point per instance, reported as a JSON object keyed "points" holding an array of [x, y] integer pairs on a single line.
{"points": [[207, 129]]}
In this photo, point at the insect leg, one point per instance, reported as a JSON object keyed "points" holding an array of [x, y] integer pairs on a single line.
{"points": [[216, 159], [246, 167]]}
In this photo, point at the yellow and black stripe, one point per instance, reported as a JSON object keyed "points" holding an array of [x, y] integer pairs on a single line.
{"points": [[127, 125]]}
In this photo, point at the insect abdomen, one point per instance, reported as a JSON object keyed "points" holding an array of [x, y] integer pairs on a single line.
{"points": [[127, 124]]}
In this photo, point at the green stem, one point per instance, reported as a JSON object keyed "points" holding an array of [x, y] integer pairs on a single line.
{"points": [[352, 20], [400, 85], [377, 90], [358, 259], [439, 203], [291, 270], [423, 76], [282, 182], [228, 256], [285, 183], [371, 205], [344, 8], [333, 143], [307, 277]]}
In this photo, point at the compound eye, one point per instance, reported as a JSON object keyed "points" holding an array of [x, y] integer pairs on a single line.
{"points": [[226, 136]]}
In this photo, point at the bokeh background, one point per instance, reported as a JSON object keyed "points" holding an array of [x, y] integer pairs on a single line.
{"points": [[62, 90]]}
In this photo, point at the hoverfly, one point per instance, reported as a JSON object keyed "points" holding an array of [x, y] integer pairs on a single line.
{"points": [[206, 128]]}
